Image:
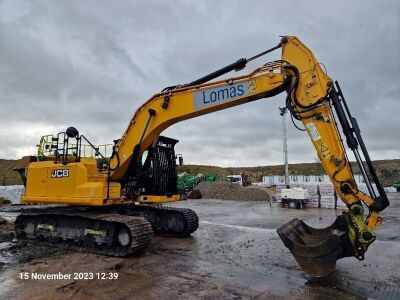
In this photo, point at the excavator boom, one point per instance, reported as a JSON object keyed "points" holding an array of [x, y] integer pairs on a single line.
{"points": [[312, 98]]}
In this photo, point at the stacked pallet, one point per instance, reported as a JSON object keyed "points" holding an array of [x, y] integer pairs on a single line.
{"points": [[328, 197], [12, 192]]}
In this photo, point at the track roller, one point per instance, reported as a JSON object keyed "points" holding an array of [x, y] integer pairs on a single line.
{"points": [[108, 234]]}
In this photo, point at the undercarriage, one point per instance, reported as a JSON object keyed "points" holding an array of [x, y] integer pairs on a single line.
{"points": [[115, 230]]}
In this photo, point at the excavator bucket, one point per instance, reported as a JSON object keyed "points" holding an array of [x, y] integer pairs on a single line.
{"points": [[316, 250]]}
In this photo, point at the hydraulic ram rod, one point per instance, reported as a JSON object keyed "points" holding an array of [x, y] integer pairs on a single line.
{"points": [[354, 139], [237, 66]]}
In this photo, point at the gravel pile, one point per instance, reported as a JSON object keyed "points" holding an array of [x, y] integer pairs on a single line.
{"points": [[232, 191]]}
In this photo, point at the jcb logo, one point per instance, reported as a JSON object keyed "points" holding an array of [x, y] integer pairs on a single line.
{"points": [[60, 173]]}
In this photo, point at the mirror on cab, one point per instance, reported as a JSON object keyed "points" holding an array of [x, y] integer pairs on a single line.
{"points": [[180, 159]]}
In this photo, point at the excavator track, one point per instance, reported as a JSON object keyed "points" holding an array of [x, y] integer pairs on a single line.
{"points": [[167, 221], [107, 234], [114, 230]]}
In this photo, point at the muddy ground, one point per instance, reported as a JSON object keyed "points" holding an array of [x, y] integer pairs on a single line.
{"points": [[235, 254]]}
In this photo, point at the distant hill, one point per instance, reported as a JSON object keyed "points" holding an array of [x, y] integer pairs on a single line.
{"points": [[388, 170], [7, 175]]}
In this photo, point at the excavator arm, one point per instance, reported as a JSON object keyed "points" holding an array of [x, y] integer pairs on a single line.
{"points": [[176, 104], [311, 98]]}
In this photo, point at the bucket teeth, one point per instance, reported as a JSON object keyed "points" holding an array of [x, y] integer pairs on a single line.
{"points": [[316, 250]]}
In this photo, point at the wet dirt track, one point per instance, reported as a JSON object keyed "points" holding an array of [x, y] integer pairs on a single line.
{"points": [[235, 254]]}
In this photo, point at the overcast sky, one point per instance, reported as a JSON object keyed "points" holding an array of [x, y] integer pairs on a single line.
{"points": [[90, 64]]}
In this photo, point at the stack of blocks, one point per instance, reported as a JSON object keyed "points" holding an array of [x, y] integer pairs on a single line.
{"points": [[12, 192]]}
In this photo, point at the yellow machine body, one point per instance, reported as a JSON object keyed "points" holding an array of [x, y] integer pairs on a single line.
{"points": [[311, 94], [76, 183], [88, 185]]}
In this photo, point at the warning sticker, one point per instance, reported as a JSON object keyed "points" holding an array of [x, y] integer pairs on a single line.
{"points": [[313, 131], [325, 151]]}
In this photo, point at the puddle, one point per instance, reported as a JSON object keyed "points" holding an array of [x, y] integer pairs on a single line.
{"points": [[249, 228]]}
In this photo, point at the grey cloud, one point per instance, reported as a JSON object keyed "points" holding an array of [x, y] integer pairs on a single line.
{"points": [[91, 64]]}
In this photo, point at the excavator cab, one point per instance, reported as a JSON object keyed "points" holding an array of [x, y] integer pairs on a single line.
{"points": [[158, 174]]}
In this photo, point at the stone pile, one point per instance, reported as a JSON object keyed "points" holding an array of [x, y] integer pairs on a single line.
{"points": [[232, 191]]}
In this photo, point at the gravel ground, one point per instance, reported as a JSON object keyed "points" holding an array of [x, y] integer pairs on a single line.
{"points": [[232, 191], [235, 254], [6, 231]]}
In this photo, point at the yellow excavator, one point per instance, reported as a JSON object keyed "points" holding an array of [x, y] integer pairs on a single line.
{"points": [[113, 204]]}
